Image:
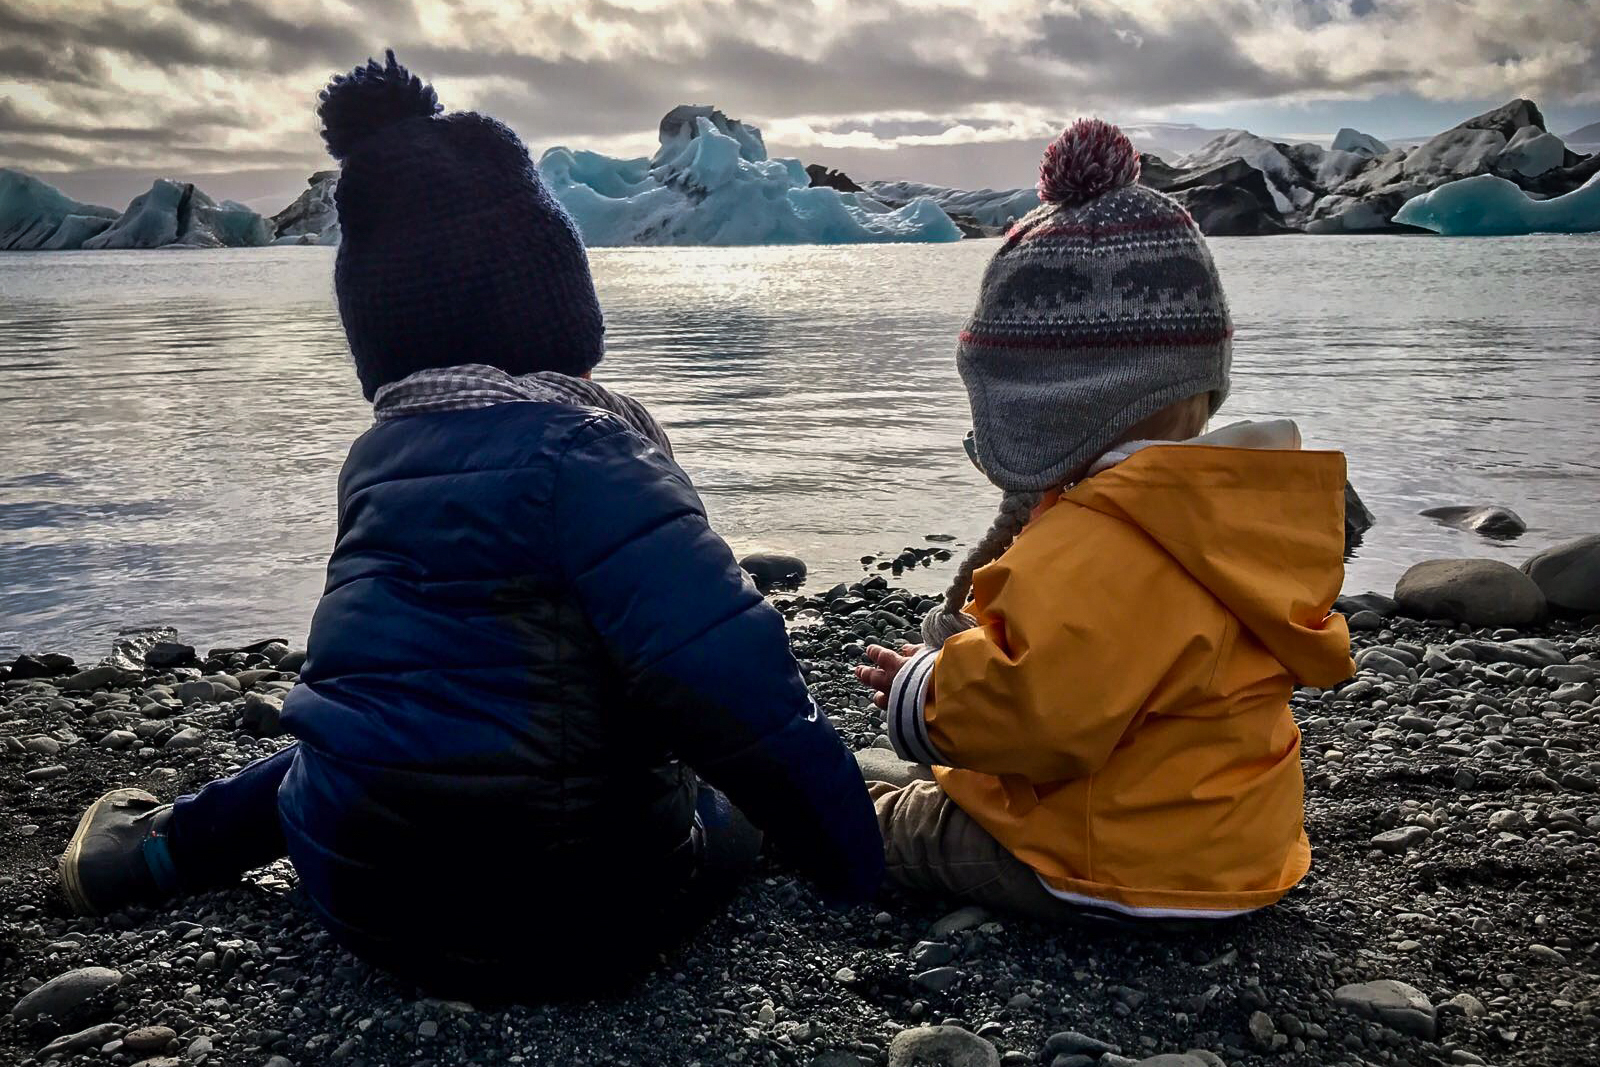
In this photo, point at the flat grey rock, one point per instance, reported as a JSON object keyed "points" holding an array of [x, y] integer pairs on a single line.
{"points": [[82, 1041], [64, 994], [965, 918], [1397, 1005], [1400, 840]]}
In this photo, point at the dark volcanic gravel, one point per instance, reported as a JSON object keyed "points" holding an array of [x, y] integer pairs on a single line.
{"points": [[1452, 805]]}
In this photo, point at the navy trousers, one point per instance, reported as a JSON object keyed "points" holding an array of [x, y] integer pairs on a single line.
{"points": [[231, 826]]}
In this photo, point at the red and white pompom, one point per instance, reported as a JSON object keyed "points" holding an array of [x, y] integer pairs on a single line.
{"points": [[1089, 159]]}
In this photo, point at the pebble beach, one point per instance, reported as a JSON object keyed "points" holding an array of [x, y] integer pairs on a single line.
{"points": [[1453, 804]]}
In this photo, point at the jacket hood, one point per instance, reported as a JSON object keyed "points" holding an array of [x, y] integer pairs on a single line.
{"points": [[1255, 520]]}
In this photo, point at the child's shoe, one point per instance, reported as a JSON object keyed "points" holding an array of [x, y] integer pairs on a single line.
{"points": [[118, 856]]}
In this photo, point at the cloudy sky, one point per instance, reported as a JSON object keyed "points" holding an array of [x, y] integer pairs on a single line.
{"points": [[101, 95]]}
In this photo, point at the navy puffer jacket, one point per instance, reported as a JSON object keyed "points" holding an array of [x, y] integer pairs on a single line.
{"points": [[530, 644]]}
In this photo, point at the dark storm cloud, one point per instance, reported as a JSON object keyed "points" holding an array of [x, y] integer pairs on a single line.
{"points": [[41, 64], [868, 71], [1196, 57], [14, 121], [254, 37], [279, 44], [129, 33], [171, 128], [32, 153]]}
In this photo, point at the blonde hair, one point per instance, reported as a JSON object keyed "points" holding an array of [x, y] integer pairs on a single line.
{"points": [[1178, 421]]}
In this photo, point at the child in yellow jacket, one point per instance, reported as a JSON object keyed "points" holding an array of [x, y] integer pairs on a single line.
{"points": [[1107, 718]]}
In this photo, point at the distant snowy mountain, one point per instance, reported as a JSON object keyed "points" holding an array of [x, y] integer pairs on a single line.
{"points": [[1169, 140], [1585, 138]]}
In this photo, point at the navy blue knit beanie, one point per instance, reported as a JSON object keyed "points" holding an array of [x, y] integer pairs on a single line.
{"points": [[452, 250]]}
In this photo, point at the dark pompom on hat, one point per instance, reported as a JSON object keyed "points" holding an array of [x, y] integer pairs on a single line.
{"points": [[452, 250], [369, 98]]}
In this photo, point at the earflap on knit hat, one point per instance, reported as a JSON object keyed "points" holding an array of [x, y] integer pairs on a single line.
{"points": [[356, 105]]}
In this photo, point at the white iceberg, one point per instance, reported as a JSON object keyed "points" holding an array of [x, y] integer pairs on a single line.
{"points": [[711, 183], [1461, 153], [1531, 152], [995, 208], [1486, 205], [313, 218], [34, 215], [1332, 168], [1349, 140], [1337, 213], [177, 213], [1290, 184]]}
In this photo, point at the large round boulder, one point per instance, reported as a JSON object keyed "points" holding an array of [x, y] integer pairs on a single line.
{"points": [[1478, 592], [941, 1046], [774, 570], [1569, 575]]}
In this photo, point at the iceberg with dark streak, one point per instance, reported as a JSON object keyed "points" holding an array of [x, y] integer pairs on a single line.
{"points": [[177, 213]]}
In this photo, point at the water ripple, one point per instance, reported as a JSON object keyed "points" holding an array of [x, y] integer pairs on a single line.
{"points": [[172, 423]]}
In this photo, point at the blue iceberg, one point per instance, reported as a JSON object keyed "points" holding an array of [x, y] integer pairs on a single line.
{"points": [[37, 216], [711, 183], [1486, 205]]}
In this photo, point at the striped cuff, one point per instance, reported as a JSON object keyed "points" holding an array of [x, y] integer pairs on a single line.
{"points": [[908, 699]]}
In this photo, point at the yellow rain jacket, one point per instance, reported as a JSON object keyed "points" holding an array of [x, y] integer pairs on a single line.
{"points": [[1120, 718]]}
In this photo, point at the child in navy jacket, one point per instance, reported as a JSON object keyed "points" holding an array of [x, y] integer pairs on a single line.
{"points": [[542, 706]]}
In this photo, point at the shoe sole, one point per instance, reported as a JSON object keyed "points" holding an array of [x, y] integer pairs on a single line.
{"points": [[71, 883]]}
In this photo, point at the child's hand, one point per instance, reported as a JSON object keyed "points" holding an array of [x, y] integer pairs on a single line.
{"points": [[885, 665]]}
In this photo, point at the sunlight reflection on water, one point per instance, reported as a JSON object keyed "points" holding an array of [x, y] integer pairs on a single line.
{"points": [[172, 422]]}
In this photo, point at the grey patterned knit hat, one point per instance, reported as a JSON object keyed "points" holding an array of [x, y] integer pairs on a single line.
{"points": [[1101, 307]]}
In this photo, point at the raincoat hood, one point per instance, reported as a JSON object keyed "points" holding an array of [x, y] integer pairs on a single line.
{"points": [[1254, 519]]}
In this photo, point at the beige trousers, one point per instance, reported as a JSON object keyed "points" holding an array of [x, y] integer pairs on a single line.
{"points": [[930, 845]]}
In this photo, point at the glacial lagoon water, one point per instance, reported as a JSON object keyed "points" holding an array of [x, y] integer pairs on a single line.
{"points": [[172, 422]]}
